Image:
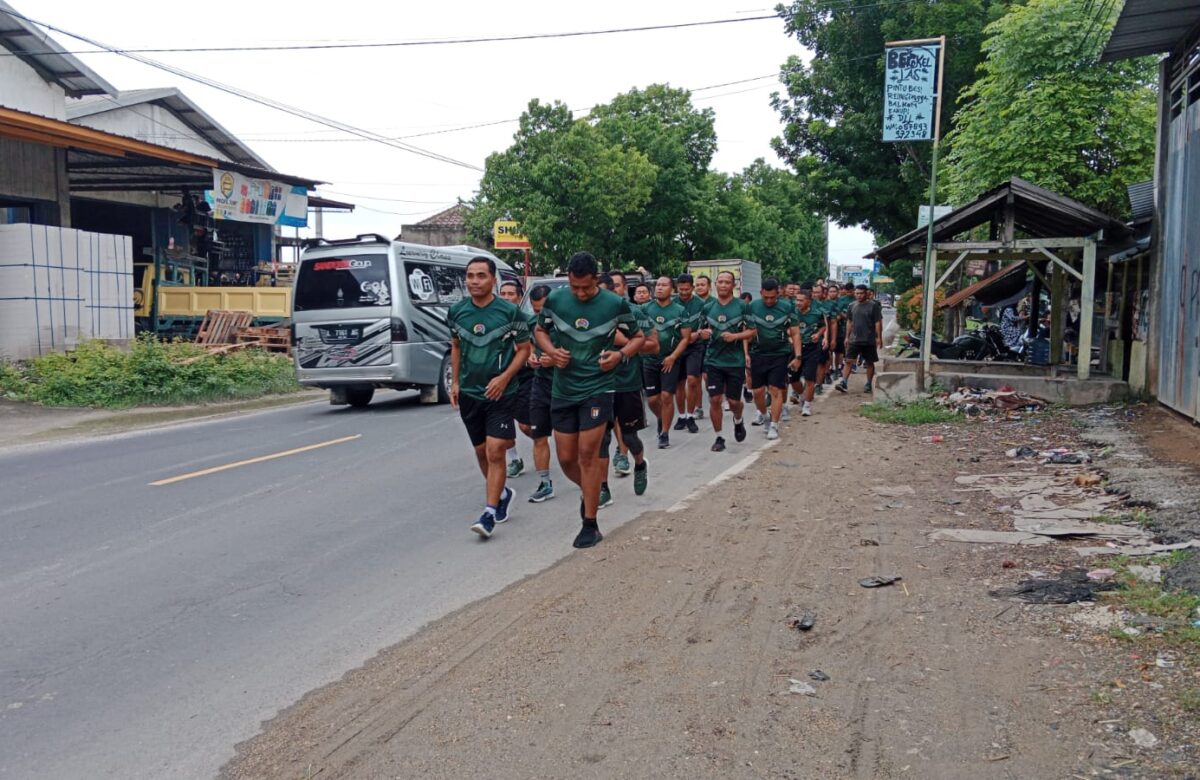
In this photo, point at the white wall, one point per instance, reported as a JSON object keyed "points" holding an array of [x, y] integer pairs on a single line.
{"points": [[21, 88], [152, 124]]}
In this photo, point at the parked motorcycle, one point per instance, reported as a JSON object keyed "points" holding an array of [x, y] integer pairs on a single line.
{"points": [[986, 343]]}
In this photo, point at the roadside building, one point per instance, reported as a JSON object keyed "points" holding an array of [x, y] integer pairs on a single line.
{"points": [[1171, 27], [446, 228]]}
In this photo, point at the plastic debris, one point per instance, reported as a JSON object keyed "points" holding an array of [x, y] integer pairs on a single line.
{"points": [[801, 687], [868, 542], [1021, 452], [979, 403], [818, 675], [1143, 738], [1071, 586], [1069, 458], [1151, 573], [937, 438], [878, 581], [1101, 575], [804, 623]]}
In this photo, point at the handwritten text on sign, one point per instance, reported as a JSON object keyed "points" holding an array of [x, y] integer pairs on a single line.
{"points": [[909, 92]]}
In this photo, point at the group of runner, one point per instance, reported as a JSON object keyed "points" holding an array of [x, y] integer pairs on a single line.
{"points": [[586, 363]]}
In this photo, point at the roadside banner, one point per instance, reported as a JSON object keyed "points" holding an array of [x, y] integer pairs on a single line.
{"points": [[910, 92], [261, 201], [506, 234]]}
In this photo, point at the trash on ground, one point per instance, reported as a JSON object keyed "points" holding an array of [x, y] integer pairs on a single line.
{"points": [[975, 536], [868, 542], [1101, 575], [937, 438], [1069, 587], [803, 623], [818, 675], [1023, 451], [1163, 662], [1137, 551], [1143, 738], [978, 403], [1062, 528], [1069, 458], [1087, 480], [878, 581], [893, 491], [801, 687], [1151, 573]]}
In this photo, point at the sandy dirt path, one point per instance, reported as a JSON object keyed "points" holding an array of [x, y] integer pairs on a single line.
{"points": [[667, 651]]}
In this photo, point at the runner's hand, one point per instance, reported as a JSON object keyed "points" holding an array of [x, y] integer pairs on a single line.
{"points": [[454, 396], [728, 337], [795, 364], [825, 343], [878, 343], [706, 334], [559, 358], [609, 359], [815, 338], [668, 364], [534, 361], [495, 388]]}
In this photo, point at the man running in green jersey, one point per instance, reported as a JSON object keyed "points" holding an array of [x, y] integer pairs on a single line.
{"points": [[811, 324], [510, 290], [823, 307], [540, 395], [584, 320], [703, 288], [726, 332], [774, 350], [642, 295], [489, 344], [660, 372], [629, 405], [795, 380], [687, 395], [845, 297]]}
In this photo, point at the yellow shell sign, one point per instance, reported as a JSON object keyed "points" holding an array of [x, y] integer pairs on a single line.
{"points": [[506, 234], [227, 185]]}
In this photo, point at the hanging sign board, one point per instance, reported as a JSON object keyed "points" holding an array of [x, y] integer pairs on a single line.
{"points": [[261, 201], [938, 213], [909, 92], [506, 234]]}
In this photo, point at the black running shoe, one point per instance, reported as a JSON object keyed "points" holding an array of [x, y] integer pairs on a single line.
{"points": [[664, 440], [719, 445], [589, 535], [691, 425], [680, 424], [747, 396], [739, 431]]}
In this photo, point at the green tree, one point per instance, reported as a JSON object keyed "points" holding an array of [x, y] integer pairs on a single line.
{"points": [[566, 184], [833, 109], [1046, 110]]}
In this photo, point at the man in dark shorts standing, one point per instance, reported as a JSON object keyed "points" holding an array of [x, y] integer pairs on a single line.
{"points": [[811, 324], [660, 373], [687, 396], [489, 344], [774, 349], [726, 332], [584, 321], [865, 320], [540, 395]]}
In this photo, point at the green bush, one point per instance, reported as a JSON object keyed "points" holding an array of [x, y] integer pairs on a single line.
{"points": [[151, 372]]}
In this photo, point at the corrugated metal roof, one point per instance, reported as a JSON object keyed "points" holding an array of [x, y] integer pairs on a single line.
{"points": [[39, 51], [1141, 200], [1150, 27], [1038, 212], [204, 126]]}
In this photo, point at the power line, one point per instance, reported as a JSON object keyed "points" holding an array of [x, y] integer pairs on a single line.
{"points": [[246, 95], [429, 42]]}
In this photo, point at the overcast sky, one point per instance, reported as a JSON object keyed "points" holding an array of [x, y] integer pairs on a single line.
{"points": [[425, 89]]}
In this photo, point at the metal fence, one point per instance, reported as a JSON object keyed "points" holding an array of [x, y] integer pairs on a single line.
{"points": [[1179, 321]]}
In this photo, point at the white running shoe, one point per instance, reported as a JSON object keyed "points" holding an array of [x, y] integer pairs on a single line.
{"points": [[759, 419], [772, 432], [784, 417], [700, 412], [806, 410]]}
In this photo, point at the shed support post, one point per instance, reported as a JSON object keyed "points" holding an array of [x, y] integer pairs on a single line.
{"points": [[1087, 306], [1058, 313], [927, 318]]}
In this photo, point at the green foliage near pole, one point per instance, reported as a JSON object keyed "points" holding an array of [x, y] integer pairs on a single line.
{"points": [[632, 184], [833, 106], [1046, 110]]}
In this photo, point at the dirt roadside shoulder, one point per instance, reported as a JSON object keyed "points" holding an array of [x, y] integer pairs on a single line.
{"points": [[669, 650], [25, 423]]}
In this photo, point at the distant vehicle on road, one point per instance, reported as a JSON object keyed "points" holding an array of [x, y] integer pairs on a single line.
{"points": [[747, 274], [369, 312]]}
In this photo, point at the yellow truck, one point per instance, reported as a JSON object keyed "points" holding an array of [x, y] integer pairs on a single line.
{"points": [[180, 306]]}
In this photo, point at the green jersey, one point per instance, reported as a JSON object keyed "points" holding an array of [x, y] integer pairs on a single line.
{"points": [[629, 373], [585, 329], [487, 341], [669, 321], [772, 324], [810, 322], [726, 318], [694, 308], [531, 319]]}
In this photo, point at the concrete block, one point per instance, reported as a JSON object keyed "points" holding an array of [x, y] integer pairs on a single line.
{"points": [[896, 386]]}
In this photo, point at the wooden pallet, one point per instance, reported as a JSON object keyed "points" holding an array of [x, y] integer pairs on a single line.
{"points": [[221, 326], [268, 338]]}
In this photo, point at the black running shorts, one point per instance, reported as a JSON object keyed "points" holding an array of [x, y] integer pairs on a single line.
{"points": [[693, 360], [540, 395], [524, 394], [629, 410], [656, 381], [867, 352], [810, 361], [576, 416], [769, 371], [486, 419], [726, 382]]}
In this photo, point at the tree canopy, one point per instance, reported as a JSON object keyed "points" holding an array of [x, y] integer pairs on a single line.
{"points": [[1046, 110]]}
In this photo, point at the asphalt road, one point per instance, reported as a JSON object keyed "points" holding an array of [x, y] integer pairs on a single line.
{"points": [[146, 629]]}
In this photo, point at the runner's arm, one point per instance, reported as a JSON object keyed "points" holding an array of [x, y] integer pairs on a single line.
{"points": [[455, 361], [545, 343], [684, 343]]}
